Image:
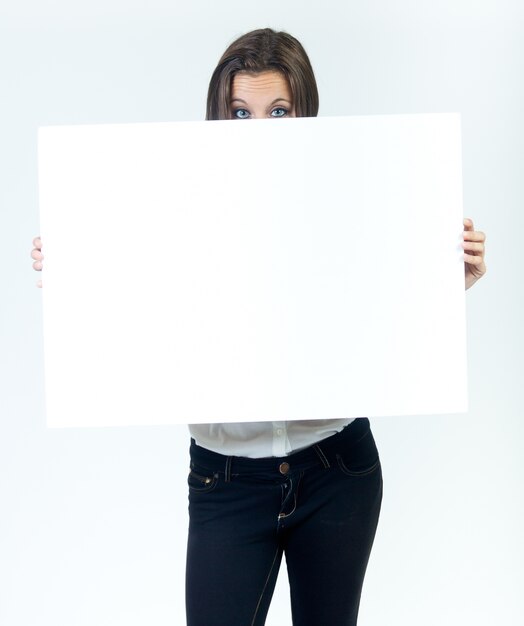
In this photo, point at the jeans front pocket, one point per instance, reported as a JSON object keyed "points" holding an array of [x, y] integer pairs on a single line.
{"points": [[361, 458], [201, 481]]}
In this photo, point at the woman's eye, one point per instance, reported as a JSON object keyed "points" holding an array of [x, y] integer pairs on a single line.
{"points": [[241, 114], [279, 112]]}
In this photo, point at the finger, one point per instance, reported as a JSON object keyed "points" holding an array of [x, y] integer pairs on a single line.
{"points": [[37, 265], [36, 255], [473, 246], [473, 259], [37, 242], [475, 235], [468, 223]]}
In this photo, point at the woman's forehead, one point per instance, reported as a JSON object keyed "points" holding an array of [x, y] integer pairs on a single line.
{"points": [[270, 82]]}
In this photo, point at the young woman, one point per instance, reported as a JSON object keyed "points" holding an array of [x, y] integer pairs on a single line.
{"points": [[308, 489]]}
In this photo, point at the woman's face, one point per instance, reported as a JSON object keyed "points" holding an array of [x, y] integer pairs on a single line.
{"points": [[264, 95]]}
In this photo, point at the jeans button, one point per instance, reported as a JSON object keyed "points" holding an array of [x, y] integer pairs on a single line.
{"points": [[283, 468]]}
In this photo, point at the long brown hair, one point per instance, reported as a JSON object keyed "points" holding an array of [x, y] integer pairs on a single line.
{"points": [[259, 51]]}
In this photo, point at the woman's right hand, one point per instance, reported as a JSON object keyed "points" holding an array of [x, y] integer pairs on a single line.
{"points": [[36, 254]]}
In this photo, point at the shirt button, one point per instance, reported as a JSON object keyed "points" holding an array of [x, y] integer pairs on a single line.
{"points": [[283, 468], [279, 431]]}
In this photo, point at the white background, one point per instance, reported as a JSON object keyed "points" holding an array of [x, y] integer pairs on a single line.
{"points": [[92, 522]]}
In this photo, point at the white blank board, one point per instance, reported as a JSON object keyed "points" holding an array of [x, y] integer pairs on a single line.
{"points": [[246, 271]]}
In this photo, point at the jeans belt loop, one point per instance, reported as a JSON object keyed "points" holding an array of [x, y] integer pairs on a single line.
{"points": [[321, 456], [228, 469]]}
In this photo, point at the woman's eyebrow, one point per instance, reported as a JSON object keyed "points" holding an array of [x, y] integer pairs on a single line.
{"points": [[280, 100]]}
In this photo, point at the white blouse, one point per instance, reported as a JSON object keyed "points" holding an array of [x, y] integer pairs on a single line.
{"points": [[264, 439]]}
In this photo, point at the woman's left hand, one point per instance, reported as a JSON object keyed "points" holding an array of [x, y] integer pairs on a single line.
{"points": [[474, 266]]}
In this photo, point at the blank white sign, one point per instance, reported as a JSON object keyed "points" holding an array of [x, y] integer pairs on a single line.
{"points": [[261, 270]]}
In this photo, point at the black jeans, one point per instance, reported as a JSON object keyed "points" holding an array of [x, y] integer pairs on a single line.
{"points": [[319, 506]]}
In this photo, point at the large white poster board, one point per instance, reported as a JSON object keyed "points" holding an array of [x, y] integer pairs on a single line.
{"points": [[265, 270]]}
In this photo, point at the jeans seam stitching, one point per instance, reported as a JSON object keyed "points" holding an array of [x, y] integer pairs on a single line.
{"points": [[264, 588]]}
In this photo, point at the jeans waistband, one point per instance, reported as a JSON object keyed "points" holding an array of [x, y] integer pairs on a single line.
{"points": [[321, 453]]}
